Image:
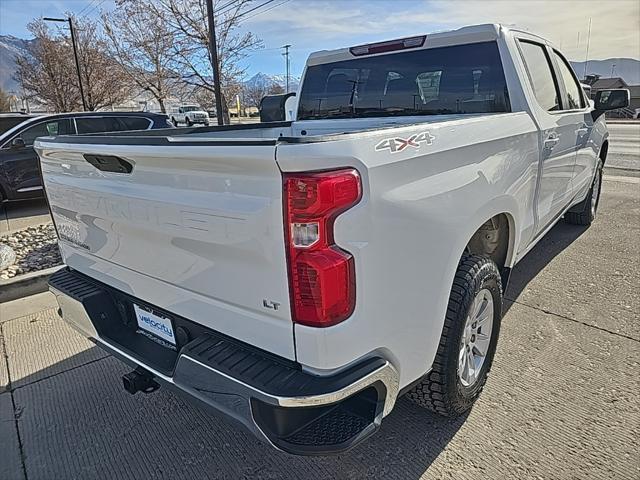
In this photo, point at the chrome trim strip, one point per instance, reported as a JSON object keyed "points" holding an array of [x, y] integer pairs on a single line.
{"points": [[387, 374], [29, 189]]}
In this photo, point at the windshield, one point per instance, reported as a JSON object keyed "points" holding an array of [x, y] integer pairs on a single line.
{"points": [[7, 123], [191, 108], [4, 136], [458, 79]]}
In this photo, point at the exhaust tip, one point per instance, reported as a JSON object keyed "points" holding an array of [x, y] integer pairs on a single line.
{"points": [[139, 381]]}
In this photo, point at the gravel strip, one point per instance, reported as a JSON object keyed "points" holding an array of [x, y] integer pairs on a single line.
{"points": [[36, 249]]}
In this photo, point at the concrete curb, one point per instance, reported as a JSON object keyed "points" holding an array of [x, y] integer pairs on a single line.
{"points": [[632, 121], [26, 285], [622, 172]]}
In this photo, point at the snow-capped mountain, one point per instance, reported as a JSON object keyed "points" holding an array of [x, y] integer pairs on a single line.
{"points": [[265, 80], [10, 48]]}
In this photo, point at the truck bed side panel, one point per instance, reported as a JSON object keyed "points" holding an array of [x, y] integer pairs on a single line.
{"points": [[419, 209]]}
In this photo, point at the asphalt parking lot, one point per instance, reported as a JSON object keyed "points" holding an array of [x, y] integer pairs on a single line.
{"points": [[561, 402]]}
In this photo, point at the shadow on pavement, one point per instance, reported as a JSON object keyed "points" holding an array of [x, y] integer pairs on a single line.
{"points": [[76, 421], [552, 244], [17, 215]]}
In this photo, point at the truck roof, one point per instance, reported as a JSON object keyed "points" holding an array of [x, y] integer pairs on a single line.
{"points": [[470, 34]]}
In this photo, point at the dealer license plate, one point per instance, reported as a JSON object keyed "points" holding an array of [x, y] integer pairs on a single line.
{"points": [[157, 325]]}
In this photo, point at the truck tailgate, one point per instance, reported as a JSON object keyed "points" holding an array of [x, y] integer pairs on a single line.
{"points": [[195, 228]]}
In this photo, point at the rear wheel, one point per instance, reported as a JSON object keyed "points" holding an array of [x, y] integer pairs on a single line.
{"points": [[468, 340], [584, 213]]}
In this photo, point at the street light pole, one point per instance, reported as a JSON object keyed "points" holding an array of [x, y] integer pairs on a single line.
{"points": [[75, 54], [586, 57], [286, 56], [214, 63]]}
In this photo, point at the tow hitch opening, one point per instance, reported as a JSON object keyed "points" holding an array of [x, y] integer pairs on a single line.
{"points": [[139, 380]]}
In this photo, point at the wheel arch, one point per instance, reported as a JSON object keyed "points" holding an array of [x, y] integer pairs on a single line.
{"points": [[604, 150], [499, 220]]}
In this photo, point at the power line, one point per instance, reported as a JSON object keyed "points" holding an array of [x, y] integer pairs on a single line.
{"points": [[90, 11], [267, 9], [254, 8], [224, 8], [86, 7]]}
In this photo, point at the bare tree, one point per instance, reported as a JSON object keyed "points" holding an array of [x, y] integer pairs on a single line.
{"points": [[142, 43], [47, 73], [256, 92], [5, 103], [105, 81], [49, 76], [276, 89], [188, 21]]}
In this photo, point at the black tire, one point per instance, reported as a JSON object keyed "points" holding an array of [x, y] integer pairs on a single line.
{"points": [[187, 121], [174, 121], [442, 390], [584, 213]]}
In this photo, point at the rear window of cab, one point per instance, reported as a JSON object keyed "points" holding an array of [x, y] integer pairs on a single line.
{"points": [[446, 80]]}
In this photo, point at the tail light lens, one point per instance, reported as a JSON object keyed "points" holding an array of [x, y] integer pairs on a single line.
{"points": [[321, 275]]}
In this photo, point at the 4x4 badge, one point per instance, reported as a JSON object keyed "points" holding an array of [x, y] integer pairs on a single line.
{"points": [[398, 144]]}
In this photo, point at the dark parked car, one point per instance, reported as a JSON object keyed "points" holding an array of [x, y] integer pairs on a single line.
{"points": [[19, 170]]}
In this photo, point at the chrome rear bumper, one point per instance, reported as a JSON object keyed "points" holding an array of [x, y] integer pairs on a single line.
{"points": [[275, 399]]}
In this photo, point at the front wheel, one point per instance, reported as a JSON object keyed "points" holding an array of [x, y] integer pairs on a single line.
{"points": [[468, 341], [187, 121], [584, 213]]}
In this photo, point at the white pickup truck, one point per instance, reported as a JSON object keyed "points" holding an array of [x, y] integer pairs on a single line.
{"points": [[190, 115], [300, 276]]}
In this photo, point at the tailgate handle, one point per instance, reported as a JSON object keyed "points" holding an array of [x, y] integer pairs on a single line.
{"points": [[109, 163]]}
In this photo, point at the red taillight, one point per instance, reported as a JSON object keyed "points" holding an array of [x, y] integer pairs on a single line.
{"points": [[321, 275]]}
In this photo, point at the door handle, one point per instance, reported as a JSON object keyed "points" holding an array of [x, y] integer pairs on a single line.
{"points": [[551, 141], [109, 163], [583, 130]]}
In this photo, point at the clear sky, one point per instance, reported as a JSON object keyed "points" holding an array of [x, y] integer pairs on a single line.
{"points": [[310, 25]]}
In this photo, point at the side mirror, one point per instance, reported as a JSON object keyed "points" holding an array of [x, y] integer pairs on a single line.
{"points": [[273, 107], [17, 143], [612, 99]]}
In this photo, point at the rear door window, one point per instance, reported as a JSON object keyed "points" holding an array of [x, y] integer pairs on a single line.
{"points": [[135, 123], [540, 75], [458, 79], [98, 124]]}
